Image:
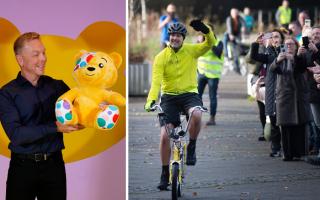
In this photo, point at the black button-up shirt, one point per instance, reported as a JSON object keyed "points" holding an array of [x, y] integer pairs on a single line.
{"points": [[27, 114]]}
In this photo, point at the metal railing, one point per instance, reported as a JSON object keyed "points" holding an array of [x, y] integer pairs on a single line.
{"points": [[139, 79]]}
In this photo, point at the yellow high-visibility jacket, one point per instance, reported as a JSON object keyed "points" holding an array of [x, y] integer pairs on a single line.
{"points": [[285, 15], [176, 72], [210, 65]]}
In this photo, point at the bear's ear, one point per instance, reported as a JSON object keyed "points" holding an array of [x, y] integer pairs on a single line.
{"points": [[117, 59], [81, 52]]}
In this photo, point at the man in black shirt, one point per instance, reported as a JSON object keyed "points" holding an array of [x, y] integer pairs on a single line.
{"points": [[27, 106]]}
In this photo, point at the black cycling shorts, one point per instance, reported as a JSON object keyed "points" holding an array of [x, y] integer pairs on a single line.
{"points": [[173, 105]]}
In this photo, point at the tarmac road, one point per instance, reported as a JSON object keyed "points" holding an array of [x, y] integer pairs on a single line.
{"points": [[232, 163]]}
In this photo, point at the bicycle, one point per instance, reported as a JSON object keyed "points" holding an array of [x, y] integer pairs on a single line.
{"points": [[178, 149]]}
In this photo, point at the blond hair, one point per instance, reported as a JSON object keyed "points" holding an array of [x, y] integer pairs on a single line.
{"points": [[20, 41]]}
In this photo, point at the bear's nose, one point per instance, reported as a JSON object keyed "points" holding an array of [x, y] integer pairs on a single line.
{"points": [[91, 68]]}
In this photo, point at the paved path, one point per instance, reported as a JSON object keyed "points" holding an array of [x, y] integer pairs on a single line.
{"points": [[232, 164]]}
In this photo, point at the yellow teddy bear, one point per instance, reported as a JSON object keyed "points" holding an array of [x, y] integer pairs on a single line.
{"points": [[91, 104]]}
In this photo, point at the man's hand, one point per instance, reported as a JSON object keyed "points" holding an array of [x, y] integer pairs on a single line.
{"points": [[281, 57], [198, 25], [315, 69], [260, 39], [149, 104], [316, 77], [313, 47], [232, 37], [301, 50], [289, 56], [63, 128], [260, 80]]}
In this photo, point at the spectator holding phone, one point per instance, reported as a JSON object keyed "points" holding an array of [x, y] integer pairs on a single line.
{"points": [[270, 83], [258, 70], [311, 56], [291, 99]]}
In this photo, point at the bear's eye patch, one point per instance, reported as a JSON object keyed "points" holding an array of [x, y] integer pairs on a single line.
{"points": [[101, 65]]}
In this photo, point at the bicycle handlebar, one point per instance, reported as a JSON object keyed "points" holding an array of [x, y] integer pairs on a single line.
{"points": [[201, 108], [158, 107], [172, 133]]}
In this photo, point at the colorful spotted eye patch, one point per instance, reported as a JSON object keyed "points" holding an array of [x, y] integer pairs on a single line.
{"points": [[84, 60]]}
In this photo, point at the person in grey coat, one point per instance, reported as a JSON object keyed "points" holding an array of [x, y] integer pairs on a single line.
{"points": [[292, 104]]}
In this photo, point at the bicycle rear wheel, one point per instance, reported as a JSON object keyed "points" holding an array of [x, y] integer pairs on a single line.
{"points": [[176, 190]]}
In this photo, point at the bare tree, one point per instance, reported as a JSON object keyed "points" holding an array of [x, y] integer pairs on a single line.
{"points": [[144, 18]]}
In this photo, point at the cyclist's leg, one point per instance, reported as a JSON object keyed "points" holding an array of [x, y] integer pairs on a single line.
{"points": [[168, 121], [188, 101], [195, 124], [165, 145]]}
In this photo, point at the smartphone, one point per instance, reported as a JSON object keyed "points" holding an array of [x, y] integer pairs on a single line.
{"points": [[282, 48], [267, 36], [307, 22], [305, 41]]}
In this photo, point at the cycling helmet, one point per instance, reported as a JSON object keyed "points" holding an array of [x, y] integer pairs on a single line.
{"points": [[177, 27]]}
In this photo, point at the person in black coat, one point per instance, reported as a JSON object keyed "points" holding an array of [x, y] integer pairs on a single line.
{"points": [[272, 51]]}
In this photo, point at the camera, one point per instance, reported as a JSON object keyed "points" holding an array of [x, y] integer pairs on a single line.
{"points": [[305, 41], [283, 48], [267, 36]]}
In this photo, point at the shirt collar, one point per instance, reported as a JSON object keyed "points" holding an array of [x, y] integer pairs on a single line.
{"points": [[171, 49], [21, 80]]}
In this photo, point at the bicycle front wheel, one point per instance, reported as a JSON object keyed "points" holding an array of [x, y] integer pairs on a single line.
{"points": [[176, 190]]}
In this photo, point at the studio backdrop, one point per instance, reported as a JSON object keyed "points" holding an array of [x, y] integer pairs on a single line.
{"points": [[95, 160]]}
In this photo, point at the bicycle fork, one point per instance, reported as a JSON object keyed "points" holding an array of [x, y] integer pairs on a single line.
{"points": [[179, 158]]}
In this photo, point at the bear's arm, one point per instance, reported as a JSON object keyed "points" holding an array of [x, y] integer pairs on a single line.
{"points": [[70, 95], [114, 98]]}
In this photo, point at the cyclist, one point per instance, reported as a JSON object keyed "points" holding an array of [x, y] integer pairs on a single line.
{"points": [[175, 72], [235, 25]]}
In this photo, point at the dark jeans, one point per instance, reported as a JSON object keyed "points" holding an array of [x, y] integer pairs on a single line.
{"points": [[28, 179], [275, 136], [293, 140], [262, 114], [213, 87]]}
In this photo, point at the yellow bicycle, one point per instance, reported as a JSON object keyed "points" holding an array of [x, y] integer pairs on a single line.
{"points": [[178, 149]]}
